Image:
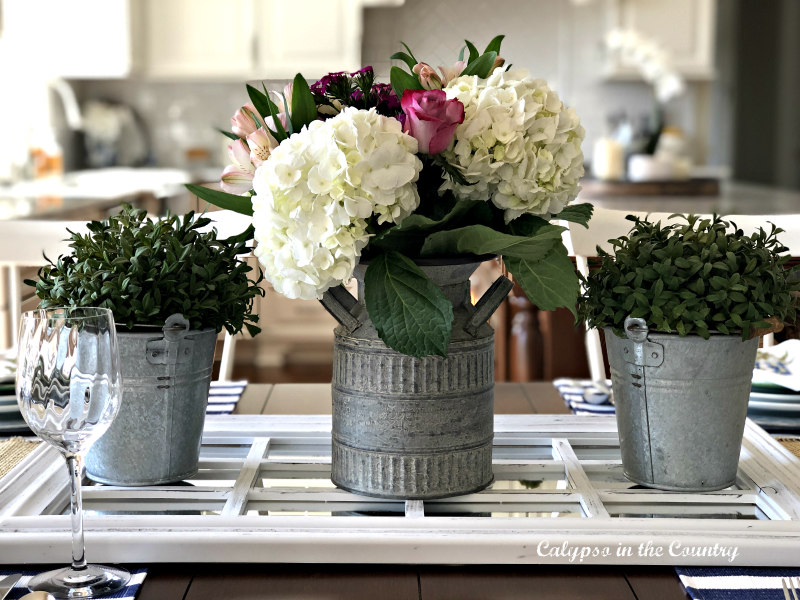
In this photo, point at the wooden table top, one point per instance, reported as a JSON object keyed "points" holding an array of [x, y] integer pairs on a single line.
{"points": [[402, 582]]}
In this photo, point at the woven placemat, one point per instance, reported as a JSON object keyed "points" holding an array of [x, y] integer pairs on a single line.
{"points": [[14, 450], [791, 444]]}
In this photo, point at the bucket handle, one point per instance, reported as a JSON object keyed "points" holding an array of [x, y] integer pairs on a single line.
{"points": [[636, 329], [167, 350], [637, 349], [339, 303], [488, 303]]}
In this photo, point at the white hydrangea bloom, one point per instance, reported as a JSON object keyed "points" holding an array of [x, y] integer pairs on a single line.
{"points": [[518, 143], [318, 189]]}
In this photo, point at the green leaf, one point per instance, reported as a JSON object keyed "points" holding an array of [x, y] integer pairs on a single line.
{"points": [[279, 133], [410, 235], [527, 225], [494, 45], [239, 204], [481, 65], [287, 112], [261, 101], [228, 134], [550, 283], [304, 109], [402, 81], [480, 240], [473, 51], [576, 213], [410, 53], [409, 311], [406, 58], [461, 54]]}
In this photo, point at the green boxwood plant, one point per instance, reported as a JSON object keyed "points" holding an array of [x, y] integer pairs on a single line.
{"points": [[695, 276], [145, 269]]}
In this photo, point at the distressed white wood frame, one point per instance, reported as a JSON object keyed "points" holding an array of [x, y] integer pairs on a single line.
{"points": [[577, 458]]}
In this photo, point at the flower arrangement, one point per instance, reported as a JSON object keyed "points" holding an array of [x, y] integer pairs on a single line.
{"points": [[476, 159]]}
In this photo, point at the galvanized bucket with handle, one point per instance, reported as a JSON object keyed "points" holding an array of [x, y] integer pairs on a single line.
{"points": [[155, 437], [414, 428], [681, 405]]}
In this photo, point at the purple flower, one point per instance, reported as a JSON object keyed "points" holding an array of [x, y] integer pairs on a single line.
{"points": [[322, 86], [387, 103], [363, 71]]}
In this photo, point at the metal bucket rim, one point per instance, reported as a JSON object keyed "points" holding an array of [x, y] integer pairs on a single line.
{"points": [[158, 330], [655, 334]]}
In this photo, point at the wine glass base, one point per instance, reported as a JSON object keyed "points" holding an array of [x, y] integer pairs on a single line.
{"points": [[92, 581]]}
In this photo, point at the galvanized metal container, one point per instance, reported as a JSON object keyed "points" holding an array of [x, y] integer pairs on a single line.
{"points": [[155, 438], [414, 428], [681, 405]]}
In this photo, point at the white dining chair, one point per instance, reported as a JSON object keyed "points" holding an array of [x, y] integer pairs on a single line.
{"points": [[607, 224], [23, 243]]}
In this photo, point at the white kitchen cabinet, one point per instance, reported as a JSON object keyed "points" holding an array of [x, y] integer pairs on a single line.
{"points": [[684, 28], [248, 39], [196, 38], [78, 39], [327, 39]]}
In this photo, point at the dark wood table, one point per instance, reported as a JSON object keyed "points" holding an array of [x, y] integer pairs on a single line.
{"points": [[209, 581]]}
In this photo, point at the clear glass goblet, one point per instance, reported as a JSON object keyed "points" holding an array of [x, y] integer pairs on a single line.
{"points": [[68, 389]]}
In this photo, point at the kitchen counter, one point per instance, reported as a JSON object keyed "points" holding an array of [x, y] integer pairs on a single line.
{"points": [[735, 198], [82, 194]]}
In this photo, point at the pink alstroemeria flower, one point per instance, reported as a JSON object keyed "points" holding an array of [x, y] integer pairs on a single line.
{"points": [[431, 118], [237, 178], [427, 76], [244, 121], [261, 143], [450, 73], [282, 115]]}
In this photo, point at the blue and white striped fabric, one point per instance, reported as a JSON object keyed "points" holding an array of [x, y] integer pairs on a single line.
{"points": [[585, 397], [126, 593], [735, 583], [223, 396]]}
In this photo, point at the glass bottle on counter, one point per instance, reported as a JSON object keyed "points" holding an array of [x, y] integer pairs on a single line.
{"points": [[47, 156]]}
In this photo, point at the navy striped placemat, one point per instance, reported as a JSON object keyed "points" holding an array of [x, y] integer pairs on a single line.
{"points": [[223, 396], [736, 583], [126, 593], [585, 397]]}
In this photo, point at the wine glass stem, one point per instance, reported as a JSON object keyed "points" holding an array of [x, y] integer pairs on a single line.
{"points": [[75, 466]]}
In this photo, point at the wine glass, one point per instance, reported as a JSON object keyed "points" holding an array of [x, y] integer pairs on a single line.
{"points": [[68, 389]]}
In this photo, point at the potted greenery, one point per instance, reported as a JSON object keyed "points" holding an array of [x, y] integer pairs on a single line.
{"points": [[682, 305], [172, 287]]}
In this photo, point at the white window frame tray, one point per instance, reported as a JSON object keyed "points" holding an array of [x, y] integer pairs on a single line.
{"points": [[769, 479]]}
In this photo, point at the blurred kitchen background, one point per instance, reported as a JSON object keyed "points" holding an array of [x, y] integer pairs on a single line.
{"points": [[105, 101]]}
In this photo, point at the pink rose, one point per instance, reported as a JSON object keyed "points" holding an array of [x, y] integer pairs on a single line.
{"points": [[431, 118]]}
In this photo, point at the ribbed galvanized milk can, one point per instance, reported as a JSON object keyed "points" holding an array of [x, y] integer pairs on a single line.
{"points": [[414, 428], [155, 437], [681, 405]]}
